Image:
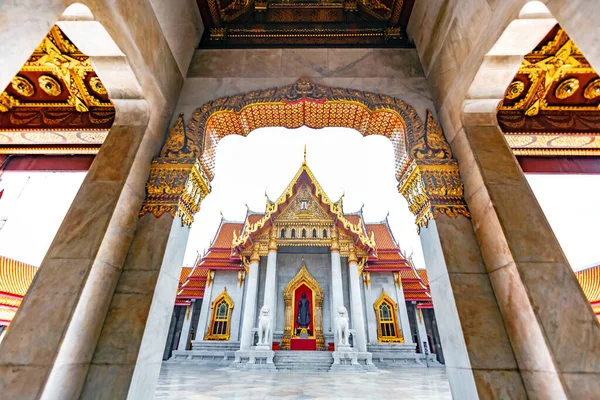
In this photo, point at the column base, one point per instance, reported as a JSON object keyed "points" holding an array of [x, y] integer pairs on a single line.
{"points": [[257, 358], [346, 358]]}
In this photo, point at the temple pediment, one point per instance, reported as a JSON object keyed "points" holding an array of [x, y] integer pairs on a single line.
{"points": [[303, 216]]}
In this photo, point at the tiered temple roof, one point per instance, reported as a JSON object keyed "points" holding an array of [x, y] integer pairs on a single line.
{"points": [[380, 249], [589, 279], [15, 278]]}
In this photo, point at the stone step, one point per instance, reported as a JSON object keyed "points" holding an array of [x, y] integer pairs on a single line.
{"points": [[315, 361]]}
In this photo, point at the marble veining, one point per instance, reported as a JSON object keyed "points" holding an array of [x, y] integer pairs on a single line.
{"points": [[193, 381]]}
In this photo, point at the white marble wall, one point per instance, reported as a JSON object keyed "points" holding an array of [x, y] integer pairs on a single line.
{"points": [[379, 281], [225, 280], [217, 73]]}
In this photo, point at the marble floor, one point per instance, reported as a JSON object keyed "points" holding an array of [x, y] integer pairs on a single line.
{"points": [[191, 382]]}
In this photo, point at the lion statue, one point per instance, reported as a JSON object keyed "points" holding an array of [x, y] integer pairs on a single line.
{"points": [[343, 328], [264, 325]]}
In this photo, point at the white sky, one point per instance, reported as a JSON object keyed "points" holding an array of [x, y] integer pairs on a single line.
{"points": [[34, 204]]}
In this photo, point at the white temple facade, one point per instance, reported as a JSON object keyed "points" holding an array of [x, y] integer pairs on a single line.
{"points": [[304, 276]]}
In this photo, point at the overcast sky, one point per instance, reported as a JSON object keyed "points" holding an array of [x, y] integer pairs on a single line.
{"points": [[342, 160]]}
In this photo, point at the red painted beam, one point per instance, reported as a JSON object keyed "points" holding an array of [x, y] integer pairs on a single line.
{"points": [[560, 165], [74, 163]]}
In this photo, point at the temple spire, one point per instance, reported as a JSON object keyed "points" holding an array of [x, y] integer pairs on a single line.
{"points": [[304, 163]]}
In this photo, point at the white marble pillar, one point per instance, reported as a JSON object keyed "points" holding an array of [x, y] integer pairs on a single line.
{"points": [[421, 331], [337, 295], [270, 295], [404, 324], [187, 327], [205, 309], [358, 319], [249, 316]]}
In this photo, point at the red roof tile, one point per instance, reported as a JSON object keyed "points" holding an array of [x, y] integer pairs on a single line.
{"points": [[423, 275], [225, 235], [383, 238]]}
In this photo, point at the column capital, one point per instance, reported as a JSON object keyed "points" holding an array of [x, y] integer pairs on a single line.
{"points": [[255, 257], [335, 243], [352, 259], [430, 180], [177, 183], [273, 240]]}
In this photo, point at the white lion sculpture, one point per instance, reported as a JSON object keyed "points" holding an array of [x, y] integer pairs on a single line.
{"points": [[343, 328], [264, 325]]}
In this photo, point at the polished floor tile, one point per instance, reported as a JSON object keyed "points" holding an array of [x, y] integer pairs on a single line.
{"points": [[194, 382]]}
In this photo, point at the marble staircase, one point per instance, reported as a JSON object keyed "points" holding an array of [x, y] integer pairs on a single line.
{"points": [[310, 361], [208, 352]]}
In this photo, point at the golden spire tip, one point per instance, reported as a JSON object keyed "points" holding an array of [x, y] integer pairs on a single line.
{"points": [[304, 163]]}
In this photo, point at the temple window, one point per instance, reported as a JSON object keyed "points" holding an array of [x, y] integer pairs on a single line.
{"points": [[387, 323], [324, 233], [314, 233], [293, 233], [220, 324], [303, 233], [282, 234]]}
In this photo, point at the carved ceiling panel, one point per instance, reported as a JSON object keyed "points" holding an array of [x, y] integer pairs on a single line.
{"points": [[289, 23], [55, 99], [552, 106]]}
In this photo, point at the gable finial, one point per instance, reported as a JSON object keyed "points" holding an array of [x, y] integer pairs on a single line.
{"points": [[304, 163]]}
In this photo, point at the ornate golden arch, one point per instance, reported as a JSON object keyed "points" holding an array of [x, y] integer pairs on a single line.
{"points": [[427, 173], [210, 335], [381, 337], [303, 277]]}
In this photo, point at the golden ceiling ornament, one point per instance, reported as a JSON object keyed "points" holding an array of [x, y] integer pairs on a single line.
{"points": [[97, 85], [567, 88], [515, 89], [7, 102], [50, 85], [22, 86], [592, 90]]}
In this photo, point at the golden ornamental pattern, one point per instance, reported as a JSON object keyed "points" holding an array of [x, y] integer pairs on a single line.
{"points": [[305, 103], [176, 185]]}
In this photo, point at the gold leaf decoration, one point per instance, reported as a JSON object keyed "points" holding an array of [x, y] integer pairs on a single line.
{"points": [[49, 85], [515, 89], [22, 86], [592, 90], [97, 85], [567, 88]]}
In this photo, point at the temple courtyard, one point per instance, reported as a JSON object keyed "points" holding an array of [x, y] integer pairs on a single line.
{"points": [[193, 381]]}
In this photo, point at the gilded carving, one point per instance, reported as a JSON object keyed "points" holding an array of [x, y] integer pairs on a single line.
{"points": [[421, 151], [50, 85], [567, 88], [515, 89], [60, 67], [592, 90], [433, 189], [97, 85], [22, 86], [177, 185]]}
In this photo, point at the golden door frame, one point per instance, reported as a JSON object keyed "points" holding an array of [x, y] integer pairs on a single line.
{"points": [[303, 277]]}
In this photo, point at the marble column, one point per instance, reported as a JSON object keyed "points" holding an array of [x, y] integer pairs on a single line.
{"points": [[205, 309], [337, 290], [184, 339], [270, 295], [404, 323], [421, 331], [249, 318], [358, 319]]}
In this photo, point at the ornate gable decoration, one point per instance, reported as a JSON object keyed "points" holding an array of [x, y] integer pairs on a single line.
{"points": [[303, 207], [296, 203]]}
